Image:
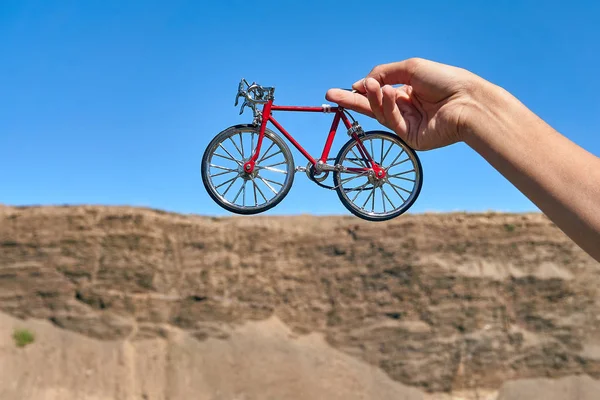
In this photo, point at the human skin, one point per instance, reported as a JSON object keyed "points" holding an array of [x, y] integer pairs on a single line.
{"points": [[439, 105]]}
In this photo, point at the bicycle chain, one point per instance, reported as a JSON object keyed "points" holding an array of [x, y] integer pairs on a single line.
{"points": [[311, 176]]}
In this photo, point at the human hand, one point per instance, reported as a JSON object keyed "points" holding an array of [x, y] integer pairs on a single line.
{"points": [[429, 111], [440, 105]]}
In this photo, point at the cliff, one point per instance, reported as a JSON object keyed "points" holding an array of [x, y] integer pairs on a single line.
{"points": [[144, 304]]}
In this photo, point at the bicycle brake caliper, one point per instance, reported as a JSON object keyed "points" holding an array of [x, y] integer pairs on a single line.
{"points": [[356, 129]]}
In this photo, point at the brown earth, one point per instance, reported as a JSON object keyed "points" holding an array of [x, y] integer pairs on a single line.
{"points": [[141, 304]]}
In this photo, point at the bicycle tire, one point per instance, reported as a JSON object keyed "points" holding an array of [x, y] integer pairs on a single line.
{"points": [[357, 211], [219, 198]]}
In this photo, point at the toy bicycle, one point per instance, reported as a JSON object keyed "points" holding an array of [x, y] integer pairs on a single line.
{"points": [[248, 169]]}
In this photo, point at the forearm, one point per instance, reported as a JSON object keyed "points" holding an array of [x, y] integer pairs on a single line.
{"points": [[561, 178]]}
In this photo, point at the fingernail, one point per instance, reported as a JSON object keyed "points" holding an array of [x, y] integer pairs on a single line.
{"points": [[360, 85]]}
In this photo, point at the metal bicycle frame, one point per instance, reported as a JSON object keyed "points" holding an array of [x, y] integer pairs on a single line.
{"points": [[321, 163]]}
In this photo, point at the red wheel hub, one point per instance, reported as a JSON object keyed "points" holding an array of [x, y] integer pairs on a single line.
{"points": [[379, 172], [249, 167]]}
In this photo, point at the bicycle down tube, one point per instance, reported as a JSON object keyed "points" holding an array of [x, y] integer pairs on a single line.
{"points": [[339, 115]]}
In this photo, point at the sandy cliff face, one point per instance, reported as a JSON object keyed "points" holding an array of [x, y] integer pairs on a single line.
{"points": [[441, 303]]}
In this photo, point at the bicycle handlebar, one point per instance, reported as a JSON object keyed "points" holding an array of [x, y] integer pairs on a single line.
{"points": [[253, 94]]}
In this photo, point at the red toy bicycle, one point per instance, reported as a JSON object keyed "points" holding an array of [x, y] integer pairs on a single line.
{"points": [[248, 169]]}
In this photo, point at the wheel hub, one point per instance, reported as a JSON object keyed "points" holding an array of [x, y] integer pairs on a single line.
{"points": [[247, 175], [375, 181], [248, 167]]}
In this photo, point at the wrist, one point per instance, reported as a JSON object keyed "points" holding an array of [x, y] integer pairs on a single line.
{"points": [[488, 109]]}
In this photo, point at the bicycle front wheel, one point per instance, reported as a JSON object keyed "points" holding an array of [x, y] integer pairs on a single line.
{"points": [[369, 197], [230, 186]]}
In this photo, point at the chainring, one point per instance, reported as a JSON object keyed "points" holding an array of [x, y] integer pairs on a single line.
{"points": [[310, 172]]}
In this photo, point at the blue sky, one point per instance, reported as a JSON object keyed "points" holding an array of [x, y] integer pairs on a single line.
{"points": [[114, 102]]}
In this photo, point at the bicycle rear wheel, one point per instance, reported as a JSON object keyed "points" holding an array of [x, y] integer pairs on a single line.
{"points": [[375, 199], [230, 186]]}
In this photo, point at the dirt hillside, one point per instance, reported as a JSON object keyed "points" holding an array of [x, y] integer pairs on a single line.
{"points": [[141, 304]]}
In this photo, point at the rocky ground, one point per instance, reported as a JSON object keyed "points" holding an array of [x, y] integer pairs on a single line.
{"points": [[141, 304]]}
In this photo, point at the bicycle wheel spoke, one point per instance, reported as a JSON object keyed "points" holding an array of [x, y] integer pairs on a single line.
{"points": [[276, 183], [382, 198], [398, 163], [272, 155], [254, 187], [259, 191], [219, 167], [387, 151], [367, 200], [373, 203], [266, 183], [229, 154], [400, 187], [358, 190], [266, 152], [355, 163], [244, 195], [402, 173], [381, 159], [372, 152], [236, 147], [359, 158], [227, 158], [398, 193], [388, 199], [274, 165], [251, 142], [351, 178], [398, 156], [222, 173], [226, 182], [242, 147], [238, 193], [403, 178], [229, 187], [271, 169]]}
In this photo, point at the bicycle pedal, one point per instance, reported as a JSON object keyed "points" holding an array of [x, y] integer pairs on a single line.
{"points": [[300, 169]]}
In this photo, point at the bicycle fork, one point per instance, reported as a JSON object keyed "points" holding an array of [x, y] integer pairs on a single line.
{"points": [[264, 118]]}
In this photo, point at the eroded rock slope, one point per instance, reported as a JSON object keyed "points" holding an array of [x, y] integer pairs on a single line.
{"points": [[443, 303]]}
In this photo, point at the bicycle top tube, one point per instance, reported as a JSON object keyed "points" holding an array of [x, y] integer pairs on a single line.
{"points": [[325, 108]]}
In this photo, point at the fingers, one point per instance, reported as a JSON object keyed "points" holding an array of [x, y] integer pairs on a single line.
{"points": [[401, 72], [391, 107], [352, 101], [384, 105], [381, 103], [359, 86], [391, 112], [377, 102], [409, 111], [375, 97]]}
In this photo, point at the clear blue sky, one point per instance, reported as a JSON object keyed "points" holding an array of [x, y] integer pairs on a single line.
{"points": [[114, 102]]}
